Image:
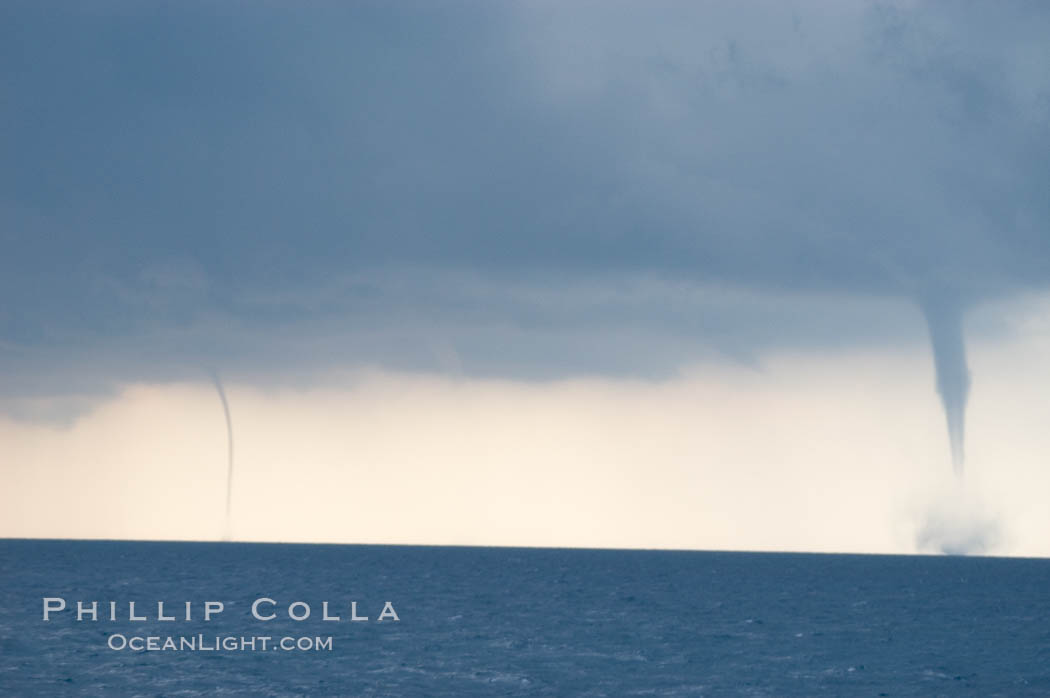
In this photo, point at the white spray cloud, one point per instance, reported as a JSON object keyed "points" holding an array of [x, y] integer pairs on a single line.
{"points": [[958, 521]]}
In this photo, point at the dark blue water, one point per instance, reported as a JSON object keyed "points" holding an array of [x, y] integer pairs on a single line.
{"points": [[491, 622]]}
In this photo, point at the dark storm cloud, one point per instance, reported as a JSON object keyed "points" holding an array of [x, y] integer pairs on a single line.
{"points": [[276, 185]]}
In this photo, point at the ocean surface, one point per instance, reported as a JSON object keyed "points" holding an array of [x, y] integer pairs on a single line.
{"points": [[512, 621]]}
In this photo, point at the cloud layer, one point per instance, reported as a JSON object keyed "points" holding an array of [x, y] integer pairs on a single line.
{"points": [[185, 185]]}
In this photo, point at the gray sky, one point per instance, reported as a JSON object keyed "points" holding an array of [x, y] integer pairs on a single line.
{"points": [[225, 172]]}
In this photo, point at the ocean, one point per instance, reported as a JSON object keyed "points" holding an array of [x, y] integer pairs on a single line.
{"points": [[515, 622]]}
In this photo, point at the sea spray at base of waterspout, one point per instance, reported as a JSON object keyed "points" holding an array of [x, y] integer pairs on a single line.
{"points": [[958, 521]]}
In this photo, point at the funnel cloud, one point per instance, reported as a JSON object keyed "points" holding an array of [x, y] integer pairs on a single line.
{"points": [[944, 320], [229, 450]]}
